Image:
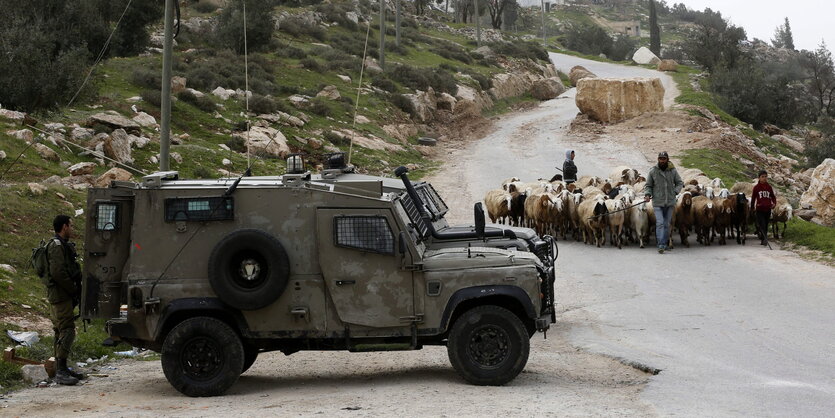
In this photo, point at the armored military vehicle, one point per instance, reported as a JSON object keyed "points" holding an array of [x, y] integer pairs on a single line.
{"points": [[210, 273]]}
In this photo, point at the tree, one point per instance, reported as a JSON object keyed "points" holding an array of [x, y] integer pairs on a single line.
{"points": [[259, 25], [714, 42], [820, 84], [783, 37], [654, 30], [496, 9]]}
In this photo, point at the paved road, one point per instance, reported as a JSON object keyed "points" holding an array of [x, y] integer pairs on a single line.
{"points": [[736, 330]]}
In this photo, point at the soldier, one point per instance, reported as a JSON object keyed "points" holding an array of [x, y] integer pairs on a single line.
{"points": [[63, 292]]}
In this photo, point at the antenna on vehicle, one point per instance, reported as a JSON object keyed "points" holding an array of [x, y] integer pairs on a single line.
{"points": [[359, 92]]}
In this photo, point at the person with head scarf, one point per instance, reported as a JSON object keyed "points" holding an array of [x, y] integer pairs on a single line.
{"points": [[569, 170]]}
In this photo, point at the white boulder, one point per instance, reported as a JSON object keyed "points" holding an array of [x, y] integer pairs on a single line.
{"points": [[644, 56]]}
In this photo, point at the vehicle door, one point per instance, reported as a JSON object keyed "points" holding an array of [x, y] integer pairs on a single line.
{"points": [[361, 265]]}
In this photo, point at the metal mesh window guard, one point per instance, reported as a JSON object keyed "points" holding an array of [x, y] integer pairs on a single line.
{"points": [[368, 233], [106, 216], [199, 209]]}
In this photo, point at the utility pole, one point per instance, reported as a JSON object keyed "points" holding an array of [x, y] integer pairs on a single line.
{"points": [[383, 34], [165, 124], [397, 25], [477, 24], [544, 37]]}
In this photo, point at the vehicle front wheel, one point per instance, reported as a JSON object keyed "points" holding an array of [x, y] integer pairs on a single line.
{"points": [[202, 357], [488, 345]]}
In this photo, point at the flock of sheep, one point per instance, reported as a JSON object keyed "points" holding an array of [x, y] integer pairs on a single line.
{"points": [[591, 206]]}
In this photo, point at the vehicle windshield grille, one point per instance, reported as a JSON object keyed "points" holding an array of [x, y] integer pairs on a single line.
{"points": [[414, 215]]}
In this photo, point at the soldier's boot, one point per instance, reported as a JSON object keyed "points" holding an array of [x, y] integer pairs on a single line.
{"points": [[62, 374], [75, 374]]}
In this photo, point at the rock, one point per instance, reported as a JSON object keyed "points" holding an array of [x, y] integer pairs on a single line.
{"points": [[772, 130], [178, 84], [145, 120], [789, 142], [12, 115], [303, 117], [425, 140], [424, 103], [55, 127], [510, 85], [115, 121], [114, 174], [821, 192], [23, 135], [226, 162], [240, 94], [329, 92], [46, 153], [644, 56], [401, 132], [82, 135], [547, 89], [81, 169], [268, 142], [371, 66], [806, 214], [370, 141], [139, 141], [8, 268], [299, 101], [478, 101], [668, 65], [34, 373], [117, 147], [352, 16], [486, 52], [2, 155], [344, 78], [55, 138], [222, 93], [196, 93], [315, 143], [612, 100], [578, 73], [445, 101], [362, 119], [36, 189], [176, 157], [134, 99]]}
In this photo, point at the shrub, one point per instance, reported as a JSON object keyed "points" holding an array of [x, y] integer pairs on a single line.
{"points": [[588, 39], [403, 103], [203, 103], [423, 78], [452, 52], [152, 97], [335, 138], [236, 143], [622, 48], [291, 52], [296, 28], [147, 78], [259, 104], [311, 64], [320, 107], [259, 25], [483, 81], [382, 82], [201, 172], [337, 12], [204, 6], [824, 148]]}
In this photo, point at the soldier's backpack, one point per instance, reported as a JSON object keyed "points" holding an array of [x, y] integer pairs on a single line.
{"points": [[40, 260]]}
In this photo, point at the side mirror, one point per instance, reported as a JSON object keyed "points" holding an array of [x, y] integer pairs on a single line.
{"points": [[478, 215]]}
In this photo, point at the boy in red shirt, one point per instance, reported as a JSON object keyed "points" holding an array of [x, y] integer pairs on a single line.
{"points": [[762, 201]]}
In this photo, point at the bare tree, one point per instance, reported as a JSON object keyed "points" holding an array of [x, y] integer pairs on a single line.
{"points": [[496, 8]]}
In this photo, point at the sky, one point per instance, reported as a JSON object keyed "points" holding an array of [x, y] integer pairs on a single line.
{"points": [[810, 20]]}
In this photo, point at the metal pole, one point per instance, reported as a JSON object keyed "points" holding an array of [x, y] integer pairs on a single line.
{"points": [[543, 22], [397, 27], [165, 124], [477, 24], [383, 34]]}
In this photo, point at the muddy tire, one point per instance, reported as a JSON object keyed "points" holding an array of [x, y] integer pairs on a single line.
{"points": [[249, 269], [202, 357], [250, 355], [488, 345]]}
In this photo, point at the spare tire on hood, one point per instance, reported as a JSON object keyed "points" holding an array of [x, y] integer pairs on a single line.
{"points": [[249, 269]]}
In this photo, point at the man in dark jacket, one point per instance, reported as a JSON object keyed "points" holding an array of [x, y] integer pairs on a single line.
{"points": [[663, 184], [569, 170], [63, 291], [763, 201]]}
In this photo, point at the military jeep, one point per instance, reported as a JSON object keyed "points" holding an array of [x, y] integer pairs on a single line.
{"points": [[210, 273]]}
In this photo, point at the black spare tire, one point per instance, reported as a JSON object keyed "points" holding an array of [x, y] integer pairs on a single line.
{"points": [[249, 269]]}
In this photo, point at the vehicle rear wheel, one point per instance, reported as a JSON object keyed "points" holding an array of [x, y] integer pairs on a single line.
{"points": [[488, 345], [250, 355], [202, 357]]}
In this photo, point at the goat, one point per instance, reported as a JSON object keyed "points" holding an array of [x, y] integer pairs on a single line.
{"points": [[684, 216], [739, 218], [517, 207]]}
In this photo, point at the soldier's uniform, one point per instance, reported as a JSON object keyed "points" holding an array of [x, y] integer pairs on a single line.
{"points": [[62, 288]]}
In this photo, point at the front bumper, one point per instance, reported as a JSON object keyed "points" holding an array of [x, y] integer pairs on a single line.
{"points": [[543, 323]]}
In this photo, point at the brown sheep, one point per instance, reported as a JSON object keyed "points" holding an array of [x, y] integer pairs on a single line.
{"points": [[781, 213], [540, 209], [703, 217], [684, 216], [724, 212], [593, 215], [498, 203]]}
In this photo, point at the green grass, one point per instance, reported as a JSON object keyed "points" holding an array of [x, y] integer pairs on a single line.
{"points": [[717, 163], [10, 376], [812, 236], [509, 104], [698, 98]]}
